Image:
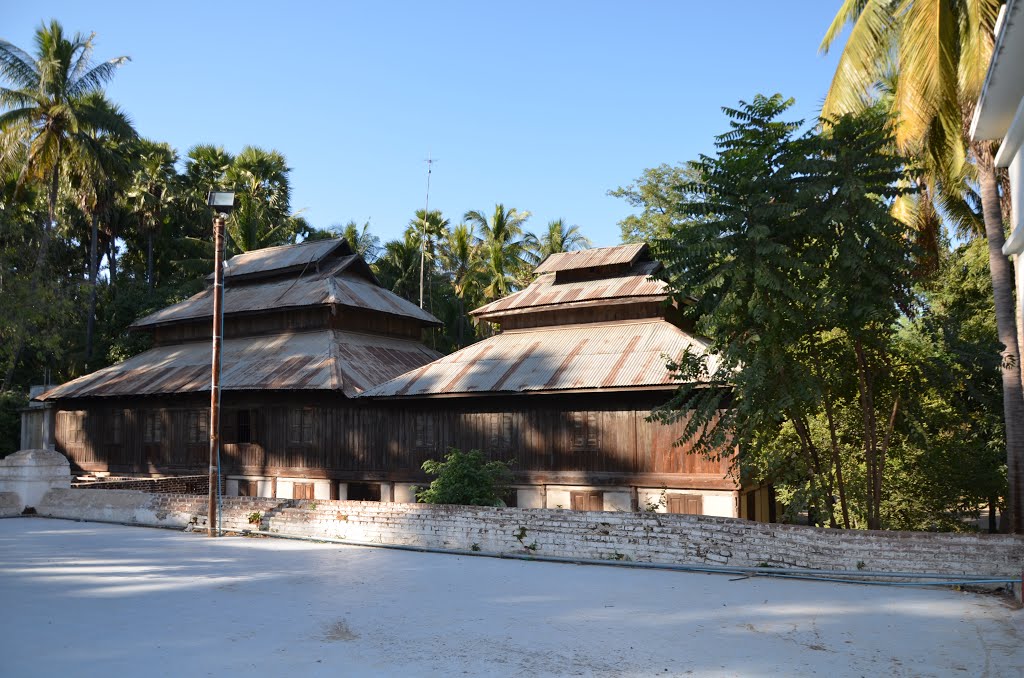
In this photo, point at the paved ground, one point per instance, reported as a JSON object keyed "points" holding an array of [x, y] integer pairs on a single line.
{"points": [[89, 599]]}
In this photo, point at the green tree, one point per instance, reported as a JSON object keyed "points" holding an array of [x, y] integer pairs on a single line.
{"points": [[427, 229], [361, 240], [938, 51], [799, 270], [656, 193], [460, 259], [467, 479], [262, 216]]}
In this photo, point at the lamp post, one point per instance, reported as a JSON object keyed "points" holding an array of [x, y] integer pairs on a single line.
{"points": [[222, 204]]}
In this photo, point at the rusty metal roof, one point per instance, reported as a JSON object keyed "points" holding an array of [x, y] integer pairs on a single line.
{"points": [[546, 290], [333, 360], [620, 355], [283, 258], [343, 283], [592, 258]]}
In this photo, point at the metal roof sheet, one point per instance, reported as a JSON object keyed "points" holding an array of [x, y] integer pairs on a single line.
{"points": [[546, 290], [273, 260], [340, 284], [592, 258], [580, 357], [325, 360]]}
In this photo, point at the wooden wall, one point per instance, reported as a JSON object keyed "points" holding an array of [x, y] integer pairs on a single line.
{"points": [[604, 440]]}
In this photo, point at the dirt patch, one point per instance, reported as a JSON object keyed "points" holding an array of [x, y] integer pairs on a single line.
{"points": [[339, 630]]}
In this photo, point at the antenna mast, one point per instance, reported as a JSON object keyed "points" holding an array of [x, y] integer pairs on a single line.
{"points": [[423, 233]]}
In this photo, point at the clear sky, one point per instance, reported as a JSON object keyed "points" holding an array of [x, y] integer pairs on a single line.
{"points": [[543, 106]]}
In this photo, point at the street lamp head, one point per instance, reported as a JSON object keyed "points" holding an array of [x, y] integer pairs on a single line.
{"points": [[222, 202]]}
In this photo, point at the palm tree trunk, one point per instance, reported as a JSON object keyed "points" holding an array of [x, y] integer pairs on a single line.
{"points": [[1002, 290], [93, 270], [112, 258]]}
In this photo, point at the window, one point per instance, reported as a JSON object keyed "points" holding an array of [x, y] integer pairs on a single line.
{"points": [[364, 491], [302, 491], [689, 504], [585, 431], [243, 426], [76, 427], [499, 433], [587, 500], [116, 430], [198, 426], [248, 488], [424, 432], [300, 426], [152, 427]]}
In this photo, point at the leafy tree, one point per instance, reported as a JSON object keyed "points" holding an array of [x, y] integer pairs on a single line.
{"points": [[467, 479], [656, 193], [363, 242], [426, 229], [262, 217], [460, 259], [799, 270], [937, 52]]}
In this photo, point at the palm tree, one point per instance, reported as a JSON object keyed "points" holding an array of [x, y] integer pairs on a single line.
{"points": [[939, 51], [48, 106], [262, 217], [47, 112], [398, 265], [99, 165], [153, 191], [460, 257], [427, 228], [559, 237], [363, 243], [502, 247]]}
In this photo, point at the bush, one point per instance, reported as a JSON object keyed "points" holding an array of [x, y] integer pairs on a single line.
{"points": [[466, 478]]}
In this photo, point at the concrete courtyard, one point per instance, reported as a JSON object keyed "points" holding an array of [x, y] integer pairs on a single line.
{"points": [[89, 599]]}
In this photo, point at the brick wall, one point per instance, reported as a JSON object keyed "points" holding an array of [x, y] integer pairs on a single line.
{"points": [[641, 537], [169, 485]]}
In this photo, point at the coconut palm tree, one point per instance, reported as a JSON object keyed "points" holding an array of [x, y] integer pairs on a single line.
{"points": [[427, 229], [460, 256], [559, 237], [398, 266], [363, 242], [47, 112], [502, 246], [939, 51]]}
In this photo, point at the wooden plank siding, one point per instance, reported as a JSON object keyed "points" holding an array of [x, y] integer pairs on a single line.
{"points": [[610, 442]]}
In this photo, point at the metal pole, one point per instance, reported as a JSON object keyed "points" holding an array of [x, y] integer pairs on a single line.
{"points": [[423, 231], [218, 330]]}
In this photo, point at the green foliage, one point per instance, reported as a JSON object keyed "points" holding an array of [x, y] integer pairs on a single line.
{"points": [[656, 193], [10, 421], [799, 271], [466, 478]]}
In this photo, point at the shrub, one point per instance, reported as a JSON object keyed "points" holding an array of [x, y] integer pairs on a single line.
{"points": [[466, 478]]}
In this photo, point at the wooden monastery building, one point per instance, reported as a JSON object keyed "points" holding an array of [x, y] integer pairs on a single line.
{"points": [[328, 392]]}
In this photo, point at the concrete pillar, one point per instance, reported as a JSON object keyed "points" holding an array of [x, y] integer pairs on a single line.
{"points": [[404, 493], [387, 491], [342, 491]]}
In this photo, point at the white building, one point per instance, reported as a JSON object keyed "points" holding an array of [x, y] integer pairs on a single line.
{"points": [[1000, 115]]}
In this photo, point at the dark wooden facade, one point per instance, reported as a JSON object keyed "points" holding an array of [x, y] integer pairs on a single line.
{"points": [[596, 440]]}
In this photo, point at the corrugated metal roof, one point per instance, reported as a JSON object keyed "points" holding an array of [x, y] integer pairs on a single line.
{"points": [[274, 260], [325, 360], [592, 258], [578, 357], [547, 291], [338, 284]]}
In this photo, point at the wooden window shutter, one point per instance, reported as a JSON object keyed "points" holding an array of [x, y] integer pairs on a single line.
{"points": [[302, 491], [586, 500], [688, 504]]}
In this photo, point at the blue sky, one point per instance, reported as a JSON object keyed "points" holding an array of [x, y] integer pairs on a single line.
{"points": [[541, 106]]}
